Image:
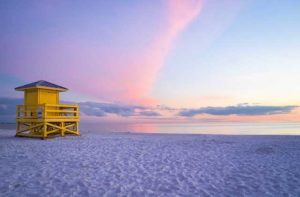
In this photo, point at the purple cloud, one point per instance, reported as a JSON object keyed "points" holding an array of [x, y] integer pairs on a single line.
{"points": [[240, 110]]}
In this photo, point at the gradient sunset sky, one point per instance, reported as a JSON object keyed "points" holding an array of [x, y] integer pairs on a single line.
{"points": [[162, 60]]}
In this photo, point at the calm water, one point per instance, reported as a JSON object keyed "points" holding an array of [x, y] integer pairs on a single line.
{"points": [[198, 128], [194, 128]]}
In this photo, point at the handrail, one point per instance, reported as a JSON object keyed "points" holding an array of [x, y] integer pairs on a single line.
{"points": [[61, 105], [47, 111], [51, 105]]}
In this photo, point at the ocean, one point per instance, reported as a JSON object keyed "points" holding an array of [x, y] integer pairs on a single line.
{"points": [[197, 128]]}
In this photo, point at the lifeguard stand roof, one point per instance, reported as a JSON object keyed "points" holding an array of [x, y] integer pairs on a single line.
{"points": [[42, 84]]}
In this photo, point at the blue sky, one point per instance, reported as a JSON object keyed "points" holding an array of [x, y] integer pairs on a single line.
{"points": [[255, 59], [181, 54]]}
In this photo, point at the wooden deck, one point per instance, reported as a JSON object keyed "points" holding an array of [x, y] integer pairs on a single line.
{"points": [[47, 120]]}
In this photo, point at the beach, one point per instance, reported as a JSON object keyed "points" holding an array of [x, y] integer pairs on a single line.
{"points": [[136, 164]]}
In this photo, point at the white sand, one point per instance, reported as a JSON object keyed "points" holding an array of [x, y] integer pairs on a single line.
{"points": [[150, 165]]}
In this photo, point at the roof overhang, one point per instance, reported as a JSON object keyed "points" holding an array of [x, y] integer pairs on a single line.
{"points": [[41, 87]]}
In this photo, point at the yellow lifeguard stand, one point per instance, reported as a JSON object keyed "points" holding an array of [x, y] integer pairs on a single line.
{"points": [[42, 115]]}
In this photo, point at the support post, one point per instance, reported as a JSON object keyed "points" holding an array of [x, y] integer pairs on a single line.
{"points": [[77, 127], [45, 130], [63, 129], [18, 127]]}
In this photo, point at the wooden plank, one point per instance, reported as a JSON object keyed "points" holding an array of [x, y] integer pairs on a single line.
{"points": [[55, 126], [45, 131], [28, 135], [60, 117], [62, 111], [61, 120], [71, 125], [62, 105], [73, 132], [51, 118], [28, 109], [32, 127], [63, 131], [29, 120], [53, 131], [77, 127]]}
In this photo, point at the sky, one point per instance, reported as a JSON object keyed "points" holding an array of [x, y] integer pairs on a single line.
{"points": [[160, 60]]}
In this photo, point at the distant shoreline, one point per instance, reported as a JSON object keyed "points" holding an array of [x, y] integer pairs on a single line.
{"points": [[209, 130]]}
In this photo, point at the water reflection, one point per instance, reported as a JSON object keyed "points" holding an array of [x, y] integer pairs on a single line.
{"points": [[199, 128]]}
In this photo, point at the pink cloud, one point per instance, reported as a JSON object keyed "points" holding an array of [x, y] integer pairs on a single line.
{"points": [[179, 15], [107, 72]]}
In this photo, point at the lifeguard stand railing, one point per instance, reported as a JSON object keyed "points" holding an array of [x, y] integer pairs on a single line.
{"points": [[47, 119], [47, 111]]}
